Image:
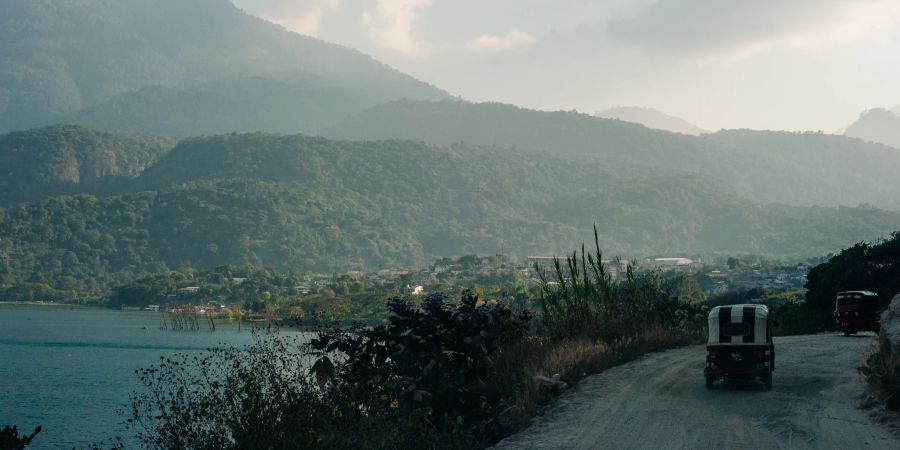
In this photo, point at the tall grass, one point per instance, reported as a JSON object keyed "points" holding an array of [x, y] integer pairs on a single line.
{"points": [[590, 321]]}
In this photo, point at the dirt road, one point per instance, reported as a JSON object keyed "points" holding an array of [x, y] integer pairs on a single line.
{"points": [[660, 402]]}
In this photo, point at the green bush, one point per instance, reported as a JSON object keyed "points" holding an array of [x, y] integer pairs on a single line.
{"points": [[10, 439], [435, 359]]}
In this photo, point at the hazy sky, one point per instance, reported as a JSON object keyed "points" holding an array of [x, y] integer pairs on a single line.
{"points": [[779, 64]]}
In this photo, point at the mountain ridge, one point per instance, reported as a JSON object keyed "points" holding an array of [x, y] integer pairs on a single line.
{"points": [[877, 125], [63, 57], [801, 169], [651, 118]]}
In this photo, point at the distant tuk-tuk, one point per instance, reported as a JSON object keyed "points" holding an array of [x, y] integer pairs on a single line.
{"points": [[856, 311], [740, 345]]}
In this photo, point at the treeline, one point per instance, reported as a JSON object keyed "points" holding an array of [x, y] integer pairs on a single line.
{"points": [[865, 266], [299, 298], [319, 205]]}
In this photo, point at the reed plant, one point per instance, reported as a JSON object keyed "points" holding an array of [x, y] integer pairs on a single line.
{"points": [[591, 319]]}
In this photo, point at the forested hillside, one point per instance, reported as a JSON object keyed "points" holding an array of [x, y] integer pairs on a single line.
{"points": [[306, 203], [39, 163], [801, 169], [178, 68]]}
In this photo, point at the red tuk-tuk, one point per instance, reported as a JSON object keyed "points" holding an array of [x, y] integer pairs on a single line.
{"points": [[740, 345], [856, 311]]}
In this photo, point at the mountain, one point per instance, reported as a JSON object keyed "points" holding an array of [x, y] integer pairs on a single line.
{"points": [[310, 203], [164, 66], [36, 164], [651, 118], [801, 169], [877, 125]]}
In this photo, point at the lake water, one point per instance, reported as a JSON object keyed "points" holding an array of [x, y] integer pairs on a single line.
{"points": [[71, 369]]}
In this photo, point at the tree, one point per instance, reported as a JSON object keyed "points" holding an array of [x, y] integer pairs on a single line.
{"points": [[872, 267], [733, 262], [10, 439]]}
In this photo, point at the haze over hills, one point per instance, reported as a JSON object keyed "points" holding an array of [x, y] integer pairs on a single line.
{"points": [[180, 68], [877, 125], [800, 169], [316, 204], [651, 118]]}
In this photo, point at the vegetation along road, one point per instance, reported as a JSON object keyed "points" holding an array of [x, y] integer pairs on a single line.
{"points": [[660, 401]]}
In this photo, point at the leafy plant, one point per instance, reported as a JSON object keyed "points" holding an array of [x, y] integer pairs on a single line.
{"points": [[10, 439], [436, 359]]}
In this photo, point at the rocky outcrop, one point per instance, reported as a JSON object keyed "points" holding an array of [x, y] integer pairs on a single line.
{"points": [[889, 336], [883, 368]]}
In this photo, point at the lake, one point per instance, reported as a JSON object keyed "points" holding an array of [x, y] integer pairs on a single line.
{"points": [[70, 369]]}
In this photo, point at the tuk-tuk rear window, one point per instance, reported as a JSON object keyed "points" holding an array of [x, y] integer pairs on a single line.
{"points": [[736, 329], [852, 301]]}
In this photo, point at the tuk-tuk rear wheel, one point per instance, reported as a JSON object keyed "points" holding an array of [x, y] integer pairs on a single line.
{"points": [[709, 382]]}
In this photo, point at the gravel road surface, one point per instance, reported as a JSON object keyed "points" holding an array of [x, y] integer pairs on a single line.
{"points": [[660, 402]]}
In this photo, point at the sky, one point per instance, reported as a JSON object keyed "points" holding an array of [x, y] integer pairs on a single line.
{"points": [[761, 64]]}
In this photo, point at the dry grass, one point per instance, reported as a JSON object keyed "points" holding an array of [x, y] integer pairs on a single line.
{"points": [[573, 358], [883, 377]]}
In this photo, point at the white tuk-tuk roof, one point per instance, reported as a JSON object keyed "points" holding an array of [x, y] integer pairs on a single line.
{"points": [[754, 332]]}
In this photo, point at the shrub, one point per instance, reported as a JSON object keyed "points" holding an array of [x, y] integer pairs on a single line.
{"points": [[10, 439], [436, 359]]}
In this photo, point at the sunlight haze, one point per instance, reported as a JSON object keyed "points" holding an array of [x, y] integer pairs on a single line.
{"points": [[788, 65]]}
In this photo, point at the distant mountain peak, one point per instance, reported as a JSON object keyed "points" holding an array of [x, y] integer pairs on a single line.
{"points": [[877, 125], [651, 118]]}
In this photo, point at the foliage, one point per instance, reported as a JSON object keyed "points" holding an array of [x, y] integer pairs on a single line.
{"points": [[864, 266], [735, 296], [436, 359], [10, 439], [592, 321], [262, 397], [40, 163], [224, 283], [312, 204], [438, 375], [883, 376], [583, 299]]}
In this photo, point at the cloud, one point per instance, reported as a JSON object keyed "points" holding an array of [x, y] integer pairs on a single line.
{"points": [[746, 27], [302, 16], [391, 25], [492, 43]]}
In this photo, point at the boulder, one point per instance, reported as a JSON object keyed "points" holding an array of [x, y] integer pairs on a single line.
{"points": [[554, 384], [889, 335]]}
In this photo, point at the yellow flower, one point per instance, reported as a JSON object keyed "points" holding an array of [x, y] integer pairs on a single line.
{"points": [[383, 397], [395, 404]]}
